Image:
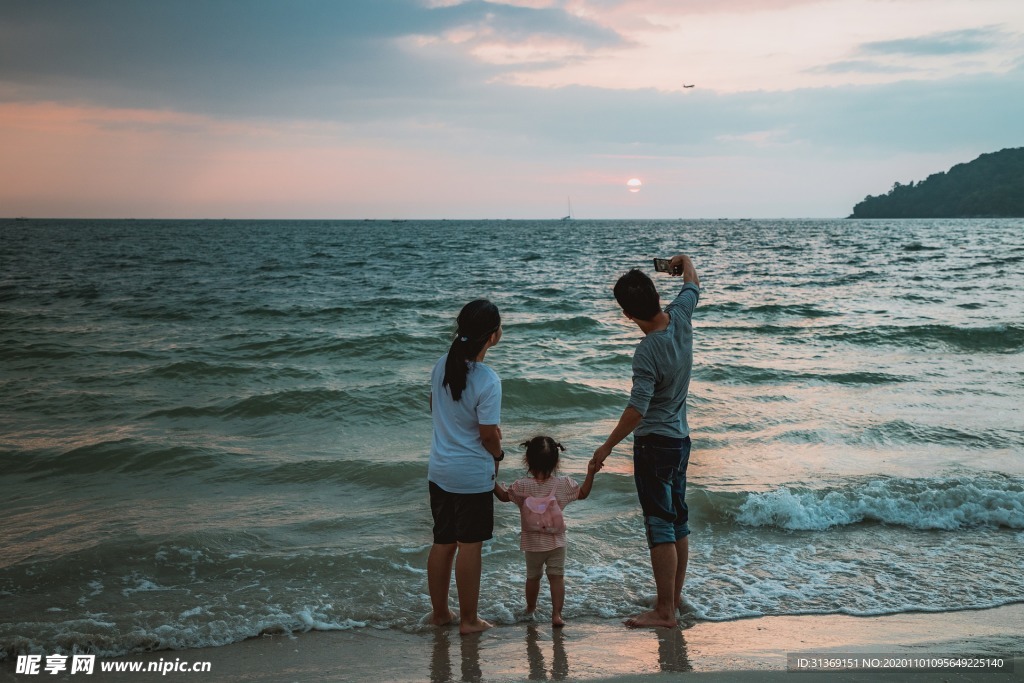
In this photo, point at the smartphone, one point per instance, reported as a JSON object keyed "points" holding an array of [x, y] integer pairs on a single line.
{"points": [[663, 265]]}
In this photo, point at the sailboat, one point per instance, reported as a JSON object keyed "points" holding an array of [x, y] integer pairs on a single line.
{"points": [[569, 217]]}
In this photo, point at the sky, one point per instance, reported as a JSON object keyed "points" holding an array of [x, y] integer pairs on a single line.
{"points": [[349, 109]]}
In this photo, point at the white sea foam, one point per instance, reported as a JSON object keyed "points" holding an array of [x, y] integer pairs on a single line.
{"points": [[917, 504], [315, 622], [141, 586], [408, 568]]}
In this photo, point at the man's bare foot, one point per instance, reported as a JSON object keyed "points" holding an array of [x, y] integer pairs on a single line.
{"points": [[556, 620], [465, 628], [442, 619], [651, 620]]}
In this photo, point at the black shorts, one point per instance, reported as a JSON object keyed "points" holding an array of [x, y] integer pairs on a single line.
{"points": [[461, 517]]}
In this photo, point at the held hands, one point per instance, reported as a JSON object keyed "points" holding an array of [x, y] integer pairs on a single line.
{"points": [[600, 455]]}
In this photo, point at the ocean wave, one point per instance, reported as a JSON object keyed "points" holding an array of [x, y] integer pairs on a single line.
{"points": [[946, 504], [198, 369], [1001, 261], [41, 351], [547, 397], [385, 403], [361, 473], [156, 311], [798, 310], [579, 324], [301, 312], [85, 292], [392, 346], [203, 627], [769, 310], [541, 304], [744, 374], [901, 431], [994, 339], [1003, 338], [766, 329], [114, 456]]}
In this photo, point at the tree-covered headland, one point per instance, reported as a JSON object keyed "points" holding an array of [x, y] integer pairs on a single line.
{"points": [[991, 186]]}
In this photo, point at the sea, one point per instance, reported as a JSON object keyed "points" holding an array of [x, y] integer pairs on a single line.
{"points": [[212, 430]]}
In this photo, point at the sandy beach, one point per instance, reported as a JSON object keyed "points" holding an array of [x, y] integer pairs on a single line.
{"points": [[749, 649]]}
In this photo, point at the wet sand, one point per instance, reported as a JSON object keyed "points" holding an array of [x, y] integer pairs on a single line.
{"points": [[748, 649]]}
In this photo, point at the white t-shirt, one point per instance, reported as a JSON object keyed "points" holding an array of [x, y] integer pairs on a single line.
{"points": [[459, 463]]}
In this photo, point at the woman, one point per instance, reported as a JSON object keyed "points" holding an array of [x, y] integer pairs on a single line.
{"points": [[465, 406]]}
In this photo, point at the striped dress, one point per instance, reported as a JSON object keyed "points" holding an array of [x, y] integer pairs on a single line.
{"points": [[566, 490]]}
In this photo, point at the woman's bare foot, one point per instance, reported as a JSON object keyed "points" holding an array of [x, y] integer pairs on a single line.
{"points": [[651, 620], [442, 619], [465, 628], [557, 621]]}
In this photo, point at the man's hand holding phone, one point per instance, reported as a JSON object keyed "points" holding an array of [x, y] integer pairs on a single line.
{"points": [[672, 266]]}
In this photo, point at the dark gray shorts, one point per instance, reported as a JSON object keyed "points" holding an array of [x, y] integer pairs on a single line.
{"points": [[461, 517], [659, 469]]}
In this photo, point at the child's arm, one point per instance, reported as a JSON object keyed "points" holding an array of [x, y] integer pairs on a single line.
{"points": [[588, 483], [501, 493]]}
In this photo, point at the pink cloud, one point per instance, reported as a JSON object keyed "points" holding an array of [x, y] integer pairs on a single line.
{"points": [[96, 162]]}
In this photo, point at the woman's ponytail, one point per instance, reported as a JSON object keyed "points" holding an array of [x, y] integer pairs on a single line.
{"points": [[478, 320]]}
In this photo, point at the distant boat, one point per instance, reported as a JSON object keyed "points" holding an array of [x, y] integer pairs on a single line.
{"points": [[569, 217]]}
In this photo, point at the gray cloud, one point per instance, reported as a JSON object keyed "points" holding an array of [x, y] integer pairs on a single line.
{"points": [[252, 56], [910, 116], [859, 66], [967, 41], [344, 62]]}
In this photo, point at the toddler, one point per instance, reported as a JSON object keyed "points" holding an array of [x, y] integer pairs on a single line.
{"points": [[541, 498]]}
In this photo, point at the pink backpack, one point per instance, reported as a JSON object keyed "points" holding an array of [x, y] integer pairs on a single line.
{"points": [[542, 514]]}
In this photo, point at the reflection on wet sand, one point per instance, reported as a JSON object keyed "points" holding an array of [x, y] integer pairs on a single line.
{"points": [[559, 659], [500, 652], [672, 654], [440, 660], [471, 657]]}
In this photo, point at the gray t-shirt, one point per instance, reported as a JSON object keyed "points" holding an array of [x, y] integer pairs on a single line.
{"points": [[661, 370]]}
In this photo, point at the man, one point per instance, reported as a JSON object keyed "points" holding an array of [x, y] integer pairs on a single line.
{"points": [[657, 412]]}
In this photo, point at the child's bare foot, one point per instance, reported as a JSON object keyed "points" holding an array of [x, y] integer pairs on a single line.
{"points": [[465, 628], [442, 619], [557, 621], [651, 620]]}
